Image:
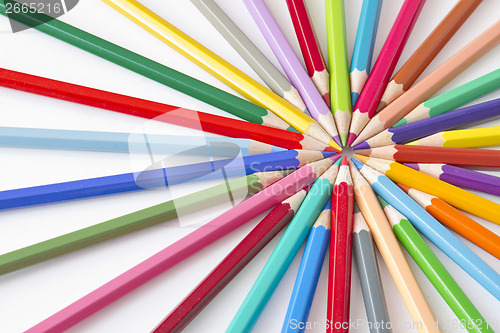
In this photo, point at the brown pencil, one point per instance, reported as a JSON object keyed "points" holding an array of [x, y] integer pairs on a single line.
{"points": [[428, 50]]}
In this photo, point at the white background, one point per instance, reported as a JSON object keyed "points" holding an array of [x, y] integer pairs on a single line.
{"points": [[32, 294]]}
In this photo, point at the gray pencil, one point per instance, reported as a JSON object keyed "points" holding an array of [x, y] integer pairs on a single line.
{"points": [[274, 79], [373, 296]]}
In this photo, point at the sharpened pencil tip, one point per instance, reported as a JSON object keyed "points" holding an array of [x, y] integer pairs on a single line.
{"points": [[365, 152], [382, 201], [344, 161], [404, 187], [335, 158], [363, 145], [334, 144], [357, 163], [363, 159], [354, 98], [328, 154], [326, 97], [343, 139], [328, 205], [350, 138], [331, 149]]}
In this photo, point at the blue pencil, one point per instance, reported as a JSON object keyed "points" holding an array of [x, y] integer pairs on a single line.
{"points": [[156, 177], [22, 137], [308, 275], [432, 229], [363, 46]]}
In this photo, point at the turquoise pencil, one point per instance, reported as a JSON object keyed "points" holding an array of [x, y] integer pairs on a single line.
{"points": [[432, 229], [285, 251], [362, 53], [308, 275]]}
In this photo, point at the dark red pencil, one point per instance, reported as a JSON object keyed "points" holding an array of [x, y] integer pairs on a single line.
{"points": [[310, 48], [424, 154], [230, 266], [161, 112], [339, 277]]}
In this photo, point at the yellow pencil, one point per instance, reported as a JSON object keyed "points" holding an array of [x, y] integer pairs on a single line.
{"points": [[220, 68], [466, 138], [453, 195], [392, 254]]}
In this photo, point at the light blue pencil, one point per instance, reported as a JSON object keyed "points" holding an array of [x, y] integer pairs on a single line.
{"points": [[308, 275], [363, 46], [432, 229], [285, 251], [131, 142]]}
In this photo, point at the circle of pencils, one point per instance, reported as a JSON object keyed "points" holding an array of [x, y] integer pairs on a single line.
{"points": [[420, 174]]}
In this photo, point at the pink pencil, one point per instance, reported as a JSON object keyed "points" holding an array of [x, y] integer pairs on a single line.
{"points": [[183, 248], [382, 70]]}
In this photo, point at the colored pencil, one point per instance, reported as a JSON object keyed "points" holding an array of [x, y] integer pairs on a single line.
{"points": [[460, 177], [425, 127], [231, 265], [432, 229], [292, 65], [384, 66], [394, 258], [163, 112], [23, 137], [444, 283], [182, 249], [283, 254], [454, 98], [432, 83], [456, 220], [453, 195], [154, 178], [309, 47], [144, 66], [369, 276], [361, 61], [428, 50], [423, 154], [308, 274], [340, 87], [465, 138], [339, 275], [219, 68], [138, 220], [271, 76]]}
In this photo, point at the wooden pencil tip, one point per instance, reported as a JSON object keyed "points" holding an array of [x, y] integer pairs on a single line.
{"points": [[404, 187]]}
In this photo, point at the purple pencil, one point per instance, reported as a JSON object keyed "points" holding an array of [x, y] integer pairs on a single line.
{"points": [[460, 177], [428, 126], [292, 66]]}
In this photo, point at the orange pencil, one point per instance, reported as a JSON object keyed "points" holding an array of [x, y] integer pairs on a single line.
{"points": [[456, 220]]}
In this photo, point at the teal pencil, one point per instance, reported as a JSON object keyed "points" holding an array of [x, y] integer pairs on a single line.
{"points": [[362, 53], [456, 299], [285, 251]]}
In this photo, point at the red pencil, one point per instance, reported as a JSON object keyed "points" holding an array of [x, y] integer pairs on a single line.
{"points": [[339, 278], [382, 70], [424, 154], [231, 265], [158, 111], [310, 48]]}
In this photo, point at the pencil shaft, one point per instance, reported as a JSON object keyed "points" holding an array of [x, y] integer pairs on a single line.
{"points": [[340, 88], [309, 46], [362, 53], [466, 138], [143, 66], [428, 50], [249, 52], [160, 112]]}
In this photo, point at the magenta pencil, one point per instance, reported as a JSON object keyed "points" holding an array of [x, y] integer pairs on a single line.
{"points": [[384, 66], [182, 249]]}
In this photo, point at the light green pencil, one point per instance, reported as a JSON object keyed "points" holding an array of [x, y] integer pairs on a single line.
{"points": [[285, 251], [466, 312], [454, 98], [340, 87]]}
